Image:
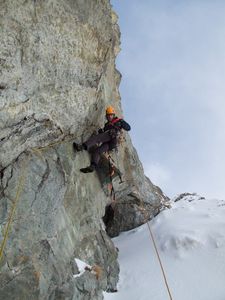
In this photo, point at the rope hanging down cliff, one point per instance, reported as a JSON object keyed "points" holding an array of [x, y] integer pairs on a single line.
{"points": [[19, 189], [146, 220]]}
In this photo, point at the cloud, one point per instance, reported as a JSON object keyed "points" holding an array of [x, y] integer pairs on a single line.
{"points": [[159, 175], [173, 67]]}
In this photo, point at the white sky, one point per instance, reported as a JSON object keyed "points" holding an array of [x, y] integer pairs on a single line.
{"points": [[173, 90]]}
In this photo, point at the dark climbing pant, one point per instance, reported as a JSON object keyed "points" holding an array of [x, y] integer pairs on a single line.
{"points": [[108, 142]]}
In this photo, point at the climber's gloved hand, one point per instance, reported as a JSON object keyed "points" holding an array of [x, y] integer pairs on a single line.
{"points": [[100, 130]]}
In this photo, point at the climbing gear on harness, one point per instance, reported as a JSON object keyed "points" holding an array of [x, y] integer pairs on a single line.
{"points": [[110, 111], [112, 166]]}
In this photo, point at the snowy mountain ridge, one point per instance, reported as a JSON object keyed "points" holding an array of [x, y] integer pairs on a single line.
{"points": [[197, 223]]}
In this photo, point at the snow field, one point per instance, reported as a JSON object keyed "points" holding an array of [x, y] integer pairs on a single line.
{"points": [[190, 238]]}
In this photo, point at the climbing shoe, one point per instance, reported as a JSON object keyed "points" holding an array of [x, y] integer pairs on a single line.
{"points": [[78, 147], [89, 169]]}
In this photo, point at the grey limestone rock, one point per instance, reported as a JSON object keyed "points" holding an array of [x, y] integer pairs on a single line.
{"points": [[57, 75]]}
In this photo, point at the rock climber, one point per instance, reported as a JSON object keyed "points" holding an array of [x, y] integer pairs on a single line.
{"points": [[107, 137]]}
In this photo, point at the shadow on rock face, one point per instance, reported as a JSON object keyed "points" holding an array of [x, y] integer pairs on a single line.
{"points": [[109, 215]]}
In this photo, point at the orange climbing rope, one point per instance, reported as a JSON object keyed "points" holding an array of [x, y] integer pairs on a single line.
{"points": [[143, 210], [13, 209], [160, 262]]}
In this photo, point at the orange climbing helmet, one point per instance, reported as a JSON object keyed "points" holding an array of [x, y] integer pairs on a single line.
{"points": [[110, 110]]}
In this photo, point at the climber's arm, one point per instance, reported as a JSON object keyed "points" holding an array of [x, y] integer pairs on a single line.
{"points": [[125, 125]]}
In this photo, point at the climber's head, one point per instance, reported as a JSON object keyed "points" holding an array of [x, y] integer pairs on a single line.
{"points": [[110, 113]]}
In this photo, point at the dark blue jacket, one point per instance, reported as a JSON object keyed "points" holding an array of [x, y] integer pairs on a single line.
{"points": [[117, 124]]}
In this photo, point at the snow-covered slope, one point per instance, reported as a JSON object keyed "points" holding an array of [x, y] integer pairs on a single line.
{"points": [[190, 238]]}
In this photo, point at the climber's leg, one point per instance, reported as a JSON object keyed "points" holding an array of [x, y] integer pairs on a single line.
{"points": [[93, 140], [95, 158]]}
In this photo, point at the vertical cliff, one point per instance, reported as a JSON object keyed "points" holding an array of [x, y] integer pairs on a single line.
{"points": [[57, 75]]}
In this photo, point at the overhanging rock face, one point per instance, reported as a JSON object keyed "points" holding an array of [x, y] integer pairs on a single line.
{"points": [[57, 75]]}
